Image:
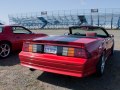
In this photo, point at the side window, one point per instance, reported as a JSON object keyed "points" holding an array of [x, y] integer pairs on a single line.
{"points": [[20, 30], [1, 29]]}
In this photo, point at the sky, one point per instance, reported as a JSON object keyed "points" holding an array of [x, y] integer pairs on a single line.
{"points": [[8, 7]]}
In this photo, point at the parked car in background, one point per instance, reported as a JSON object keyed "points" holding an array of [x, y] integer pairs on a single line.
{"points": [[82, 52], [12, 37]]}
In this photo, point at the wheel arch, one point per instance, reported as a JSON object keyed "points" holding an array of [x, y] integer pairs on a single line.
{"points": [[6, 41]]}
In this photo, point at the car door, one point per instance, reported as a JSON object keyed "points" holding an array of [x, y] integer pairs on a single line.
{"points": [[20, 34], [109, 43]]}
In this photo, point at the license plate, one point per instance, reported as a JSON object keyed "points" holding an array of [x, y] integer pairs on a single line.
{"points": [[50, 49]]}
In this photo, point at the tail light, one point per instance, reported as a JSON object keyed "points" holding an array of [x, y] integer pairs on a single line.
{"points": [[71, 51], [75, 52], [30, 48], [64, 51], [27, 47], [81, 53]]}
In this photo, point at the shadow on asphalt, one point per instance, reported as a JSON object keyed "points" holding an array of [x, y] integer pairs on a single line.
{"points": [[12, 60], [107, 81]]}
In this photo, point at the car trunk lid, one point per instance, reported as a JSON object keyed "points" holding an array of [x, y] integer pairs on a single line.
{"points": [[65, 40]]}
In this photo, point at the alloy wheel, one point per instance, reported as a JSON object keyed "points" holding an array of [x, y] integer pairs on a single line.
{"points": [[103, 64], [4, 50]]}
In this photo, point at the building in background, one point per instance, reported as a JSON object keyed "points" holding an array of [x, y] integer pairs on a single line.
{"points": [[108, 18]]}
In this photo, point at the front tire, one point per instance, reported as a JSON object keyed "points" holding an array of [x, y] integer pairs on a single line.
{"points": [[101, 66], [5, 50], [112, 50]]}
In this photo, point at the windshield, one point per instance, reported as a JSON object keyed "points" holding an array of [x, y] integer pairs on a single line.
{"points": [[89, 32]]}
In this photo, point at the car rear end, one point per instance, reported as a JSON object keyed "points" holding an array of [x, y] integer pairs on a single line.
{"points": [[61, 58]]}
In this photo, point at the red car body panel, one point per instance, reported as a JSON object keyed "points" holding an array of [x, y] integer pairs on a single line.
{"points": [[78, 67], [16, 40], [72, 66]]}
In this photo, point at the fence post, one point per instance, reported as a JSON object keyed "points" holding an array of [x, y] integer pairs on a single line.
{"points": [[98, 19], [118, 23], [91, 19], [112, 22]]}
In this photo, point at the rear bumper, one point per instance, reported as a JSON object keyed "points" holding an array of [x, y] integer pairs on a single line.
{"points": [[55, 64]]}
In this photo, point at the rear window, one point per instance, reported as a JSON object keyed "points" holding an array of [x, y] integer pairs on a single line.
{"points": [[1, 29]]}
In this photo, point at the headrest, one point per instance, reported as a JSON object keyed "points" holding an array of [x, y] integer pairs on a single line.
{"points": [[91, 34]]}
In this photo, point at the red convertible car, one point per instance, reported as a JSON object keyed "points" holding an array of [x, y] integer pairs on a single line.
{"points": [[82, 52], [12, 37]]}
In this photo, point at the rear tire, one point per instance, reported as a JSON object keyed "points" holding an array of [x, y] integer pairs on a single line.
{"points": [[5, 50], [31, 69], [112, 50], [101, 66]]}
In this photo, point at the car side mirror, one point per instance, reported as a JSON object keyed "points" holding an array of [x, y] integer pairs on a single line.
{"points": [[66, 34], [111, 35]]}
